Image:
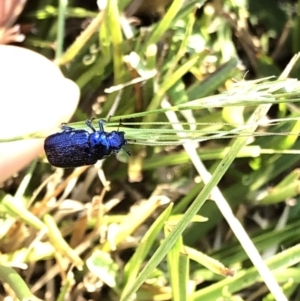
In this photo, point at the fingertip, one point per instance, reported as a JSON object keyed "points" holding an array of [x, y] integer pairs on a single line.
{"points": [[35, 97]]}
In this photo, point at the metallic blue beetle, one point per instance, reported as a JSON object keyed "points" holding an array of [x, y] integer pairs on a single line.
{"points": [[73, 148]]}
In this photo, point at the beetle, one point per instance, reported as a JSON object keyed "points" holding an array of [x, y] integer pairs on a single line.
{"points": [[73, 147]]}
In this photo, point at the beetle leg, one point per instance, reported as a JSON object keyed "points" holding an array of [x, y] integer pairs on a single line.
{"points": [[65, 127], [101, 127], [90, 125]]}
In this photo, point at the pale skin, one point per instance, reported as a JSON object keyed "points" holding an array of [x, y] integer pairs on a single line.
{"points": [[34, 98]]}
